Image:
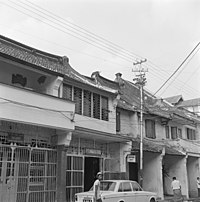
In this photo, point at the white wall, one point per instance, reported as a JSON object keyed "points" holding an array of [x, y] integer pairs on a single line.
{"points": [[36, 109], [152, 173], [129, 123], [175, 167], [193, 173]]}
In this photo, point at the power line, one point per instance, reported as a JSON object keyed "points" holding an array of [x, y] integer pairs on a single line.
{"points": [[126, 54], [188, 90], [98, 44], [177, 68], [88, 32], [180, 72]]}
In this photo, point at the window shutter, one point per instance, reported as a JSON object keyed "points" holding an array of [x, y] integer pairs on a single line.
{"points": [[150, 129], [167, 131], [174, 133], [78, 100], [87, 103], [118, 121], [96, 106], [104, 110], [191, 135], [67, 91]]}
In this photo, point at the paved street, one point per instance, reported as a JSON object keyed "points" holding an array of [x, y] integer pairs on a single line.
{"points": [[170, 199]]}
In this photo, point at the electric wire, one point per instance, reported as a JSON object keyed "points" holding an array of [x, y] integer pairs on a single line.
{"points": [[55, 25], [36, 107], [190, 77], [178, 75], [70, 49], [158, 75], [78, 28], [177, 68], [188, 90], [50, 25]]}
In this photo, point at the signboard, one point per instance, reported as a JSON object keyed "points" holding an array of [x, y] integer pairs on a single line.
{"points": [[93, 152], [15, 137], [131, 158]]}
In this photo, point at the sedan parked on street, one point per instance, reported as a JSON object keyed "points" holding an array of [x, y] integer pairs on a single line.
{"points": [[118, 191]]}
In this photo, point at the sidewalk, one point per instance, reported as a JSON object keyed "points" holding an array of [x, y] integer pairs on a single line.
{"points": [[170, 199]]}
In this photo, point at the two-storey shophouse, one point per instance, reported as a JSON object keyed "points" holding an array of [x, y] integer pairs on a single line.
{"points": [[168, 148], [34, 122], [95, 145]]}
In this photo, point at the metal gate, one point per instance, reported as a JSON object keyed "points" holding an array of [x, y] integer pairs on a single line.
{"points": [[27, 174]]}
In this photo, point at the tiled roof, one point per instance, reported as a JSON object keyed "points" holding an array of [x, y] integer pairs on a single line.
{"points": [[173, 151], [174, 99], [130, 100], [130, 96], [190, 103], [124, 105], [156, 146], [148, 146], [24, 54]]}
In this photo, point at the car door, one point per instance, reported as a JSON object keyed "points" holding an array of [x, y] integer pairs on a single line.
{"points": [[127, 195], [140, 195]]}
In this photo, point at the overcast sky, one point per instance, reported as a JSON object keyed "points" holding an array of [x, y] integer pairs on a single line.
{"points": [[110, 35]]}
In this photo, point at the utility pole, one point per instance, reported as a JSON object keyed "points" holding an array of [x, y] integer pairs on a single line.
{"points": [[140, 81]]}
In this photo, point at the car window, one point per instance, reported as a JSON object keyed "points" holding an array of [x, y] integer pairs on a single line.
{"points": [[106, 186], [136, 186], [124, 187]]}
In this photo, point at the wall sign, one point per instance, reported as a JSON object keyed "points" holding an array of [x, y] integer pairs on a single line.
{"points": [[93, 152], [131, 158]]}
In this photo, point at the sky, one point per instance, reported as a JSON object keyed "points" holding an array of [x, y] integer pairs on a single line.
{"points": [[112, 36]]}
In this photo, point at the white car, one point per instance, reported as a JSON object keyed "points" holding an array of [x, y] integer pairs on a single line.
{"points": [[118, 191]]}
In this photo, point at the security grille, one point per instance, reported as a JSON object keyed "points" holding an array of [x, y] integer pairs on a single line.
{"points": [[27, 174], [74, 176]]}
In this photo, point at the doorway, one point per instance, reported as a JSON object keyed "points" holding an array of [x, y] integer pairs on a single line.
{"points": [[92, 166], [133, 171]]}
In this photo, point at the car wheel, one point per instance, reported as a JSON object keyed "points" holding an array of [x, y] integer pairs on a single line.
{"points": [[152, 200]]}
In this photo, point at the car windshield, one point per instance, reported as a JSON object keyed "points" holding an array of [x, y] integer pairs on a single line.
{"points": [[106, 186]]}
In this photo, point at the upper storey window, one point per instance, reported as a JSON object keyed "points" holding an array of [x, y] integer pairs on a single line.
{"points": [[87, 103], [150, 129], [190, 134]]}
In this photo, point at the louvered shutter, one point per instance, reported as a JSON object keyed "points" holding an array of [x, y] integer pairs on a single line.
{"points": [[96, 106], [87, 103], [78, 100]]}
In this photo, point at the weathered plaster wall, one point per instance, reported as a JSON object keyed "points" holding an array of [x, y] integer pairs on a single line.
{"points": [[175, 166], [152, 173], [193, 172], [115, 157], [125, 122]]}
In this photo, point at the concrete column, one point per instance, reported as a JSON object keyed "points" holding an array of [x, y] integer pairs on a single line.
{"points": [[61, 175], [185, 188], [152, 176], [192, 173]]}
